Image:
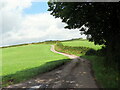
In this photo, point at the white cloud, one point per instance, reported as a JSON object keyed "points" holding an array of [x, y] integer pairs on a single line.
{"points": [[30, 28], [11, 13]]}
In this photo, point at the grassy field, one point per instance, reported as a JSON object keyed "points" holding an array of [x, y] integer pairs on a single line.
{"points": [[106, 77], [24, 62], [84, 43]]}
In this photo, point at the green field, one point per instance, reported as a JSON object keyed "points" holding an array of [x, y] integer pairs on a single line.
{"points": [[21, 63], [24, 62], [84, 43], [106, 77]]}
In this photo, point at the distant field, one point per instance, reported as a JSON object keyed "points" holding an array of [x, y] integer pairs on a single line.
{"points": [[84, 43], [20, 63]]}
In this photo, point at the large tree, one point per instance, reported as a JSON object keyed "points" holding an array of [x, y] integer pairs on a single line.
{"points": [[102, 19]]}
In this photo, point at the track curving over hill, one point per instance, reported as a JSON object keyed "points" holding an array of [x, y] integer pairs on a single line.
{"points": [[75, 74]]}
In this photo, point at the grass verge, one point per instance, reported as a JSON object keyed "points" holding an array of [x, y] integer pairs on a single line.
{"points": [[71, 50], [106, 77]]}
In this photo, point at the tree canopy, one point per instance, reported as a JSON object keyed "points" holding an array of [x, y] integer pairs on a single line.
{"points": [[102, 19]]}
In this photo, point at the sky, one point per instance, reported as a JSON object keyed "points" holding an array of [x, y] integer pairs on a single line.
{"points": [[27, 21]]}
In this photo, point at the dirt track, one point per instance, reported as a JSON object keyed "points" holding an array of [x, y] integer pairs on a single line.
{"points": [[75, 74]]}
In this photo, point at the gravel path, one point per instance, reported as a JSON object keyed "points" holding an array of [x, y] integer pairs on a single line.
{"points": [[75, 74]]}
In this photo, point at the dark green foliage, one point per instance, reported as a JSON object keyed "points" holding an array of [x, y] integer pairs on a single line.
{"points": [[50, 42], [102, 19], [59, 44], [91, 52], [106, 77], [74, 39], [101, 52]]}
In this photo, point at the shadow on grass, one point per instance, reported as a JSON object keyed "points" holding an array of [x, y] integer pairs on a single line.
{"points": [[32, 72]]}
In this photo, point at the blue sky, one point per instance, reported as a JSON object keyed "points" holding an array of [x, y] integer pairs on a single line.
{"points": [[37, 7], [26, 21]]}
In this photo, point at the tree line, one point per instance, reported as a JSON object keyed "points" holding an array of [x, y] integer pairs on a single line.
{"points": [[102, 20]]}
